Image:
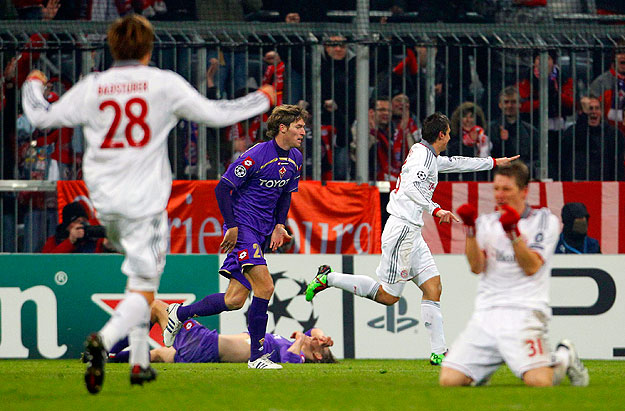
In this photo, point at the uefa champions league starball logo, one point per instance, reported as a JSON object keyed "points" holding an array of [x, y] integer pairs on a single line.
{"points": [[288, 307]]}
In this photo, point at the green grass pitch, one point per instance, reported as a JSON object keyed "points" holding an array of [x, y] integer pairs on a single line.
{"points": [[350, 384]]}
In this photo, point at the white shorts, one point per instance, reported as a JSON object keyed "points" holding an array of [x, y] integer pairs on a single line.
{"points": [[144, 244], [405, 257], [516, 336]]}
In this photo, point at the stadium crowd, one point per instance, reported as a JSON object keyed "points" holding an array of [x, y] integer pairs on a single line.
{"points": [[493, 112]]}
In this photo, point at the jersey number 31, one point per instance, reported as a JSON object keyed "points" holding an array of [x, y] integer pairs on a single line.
{"points": [[133, 120]]}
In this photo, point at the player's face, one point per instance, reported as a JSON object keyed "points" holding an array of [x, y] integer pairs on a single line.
{"points": [[508, 192], [445, 138], [295, 134]]}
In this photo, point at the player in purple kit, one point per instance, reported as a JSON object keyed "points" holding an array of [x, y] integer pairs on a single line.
{"points": [[254, 196], [198, 344]]}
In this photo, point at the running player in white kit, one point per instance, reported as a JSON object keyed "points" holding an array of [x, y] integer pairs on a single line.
{"points": [[511, 250], [127, 113], [405, 255]]}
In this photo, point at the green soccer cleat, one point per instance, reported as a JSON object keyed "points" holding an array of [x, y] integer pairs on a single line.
{"points": [[319, 283], [437, 359]]}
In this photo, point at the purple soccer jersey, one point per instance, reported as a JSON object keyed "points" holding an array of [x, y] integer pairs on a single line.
{"points": [[197, 344], [259, 176], [279, 346]]}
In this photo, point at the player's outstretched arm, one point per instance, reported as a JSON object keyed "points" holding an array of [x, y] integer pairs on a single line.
{"points": [[446, 216], [67, 112], [502, 161], [190, 104]]}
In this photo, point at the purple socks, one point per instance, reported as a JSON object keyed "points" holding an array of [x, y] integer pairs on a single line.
{"points": [[209, 305], [257, 325]]}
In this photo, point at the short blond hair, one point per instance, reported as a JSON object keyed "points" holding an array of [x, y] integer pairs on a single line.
{"points": [[130, 37]]}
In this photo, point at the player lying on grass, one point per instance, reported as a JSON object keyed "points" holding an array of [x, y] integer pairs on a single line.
{"points": [[196, 343]]}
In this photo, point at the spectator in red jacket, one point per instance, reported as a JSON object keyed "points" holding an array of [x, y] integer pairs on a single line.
{"points": [[71, 236]]}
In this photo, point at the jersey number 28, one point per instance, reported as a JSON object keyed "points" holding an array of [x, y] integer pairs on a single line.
{"points": [[133, 120]]}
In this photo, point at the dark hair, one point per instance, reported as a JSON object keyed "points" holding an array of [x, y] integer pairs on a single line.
{"points": [[284, 114], [516, 169], [326, 358], [374, 100], [433, 125], [130, 37]]}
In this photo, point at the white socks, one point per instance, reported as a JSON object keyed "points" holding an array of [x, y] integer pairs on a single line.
{"points": [[130, 313], [560, 359], [139, 345], [361, 285], [433, 320]]}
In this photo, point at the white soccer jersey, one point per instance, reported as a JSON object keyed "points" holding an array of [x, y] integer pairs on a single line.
{"points": [[419, 177], [504, 283], [127, 113]]}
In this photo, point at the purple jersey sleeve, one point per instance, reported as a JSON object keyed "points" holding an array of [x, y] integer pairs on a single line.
{"points": [[294, 182], [279, 348], [241, 170]]}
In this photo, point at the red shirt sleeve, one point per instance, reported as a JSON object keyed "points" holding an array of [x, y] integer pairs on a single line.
{"points": [[51, 247]]}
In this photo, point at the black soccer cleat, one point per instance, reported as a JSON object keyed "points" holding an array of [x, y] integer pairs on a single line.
{"points": [[140, 375], [95, 357]]}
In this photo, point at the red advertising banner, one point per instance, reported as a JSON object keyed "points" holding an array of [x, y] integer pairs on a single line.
{"points": [[605, 202], [342, 218]]}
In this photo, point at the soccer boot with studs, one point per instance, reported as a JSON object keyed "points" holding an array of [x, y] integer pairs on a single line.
{"points": [[173, 325], [319, 283], [95, 357], [437, 359], [577, 372], [264, 363], [140, 375]]}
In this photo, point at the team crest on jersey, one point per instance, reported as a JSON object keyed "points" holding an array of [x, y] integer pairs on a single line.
{"points": [[248, 162], [282, 171], [244, 255], [421, 175], [240, 171]]}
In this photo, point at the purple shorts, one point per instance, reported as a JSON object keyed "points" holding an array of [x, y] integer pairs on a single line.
{"points": [[249, 251], [196, 343]]}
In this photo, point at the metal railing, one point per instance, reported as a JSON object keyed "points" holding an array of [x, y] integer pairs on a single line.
{"points": [[413, 70]]}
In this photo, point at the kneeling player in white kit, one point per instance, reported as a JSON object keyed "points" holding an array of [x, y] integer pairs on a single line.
{"points": [[405, 255], [511, 250], [127, 113]]}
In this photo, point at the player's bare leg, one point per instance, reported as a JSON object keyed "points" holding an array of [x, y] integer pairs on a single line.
{"points": [[453, 378], [236, 295], [262, 285], [433, 318], [539, 377]]}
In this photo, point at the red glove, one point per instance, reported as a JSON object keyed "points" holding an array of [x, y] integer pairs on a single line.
{"points": [[468, 213], [509, 219]]}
